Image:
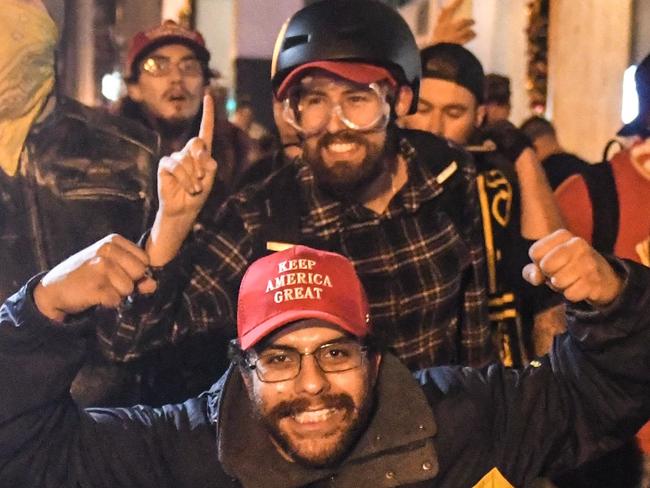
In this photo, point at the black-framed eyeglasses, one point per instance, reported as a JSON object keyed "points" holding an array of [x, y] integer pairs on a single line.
{"points": [[162, 66], [283, 363]]}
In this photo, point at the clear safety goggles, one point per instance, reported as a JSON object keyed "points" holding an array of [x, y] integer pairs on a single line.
{"points": [[308, 108]]}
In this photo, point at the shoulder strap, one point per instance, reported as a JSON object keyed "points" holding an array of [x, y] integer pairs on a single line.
{"points": [[282, 209], [604, 203], [446, 161]]}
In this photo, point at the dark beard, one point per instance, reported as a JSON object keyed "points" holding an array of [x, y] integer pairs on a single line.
{"points": [[360, 421], [174, 133], [341, 180]]}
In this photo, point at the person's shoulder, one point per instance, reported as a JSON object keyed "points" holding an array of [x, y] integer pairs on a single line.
{"points": [[123, 129], [572, 191], [250, 201], [437, 154], [273, 175], [427, 144]]}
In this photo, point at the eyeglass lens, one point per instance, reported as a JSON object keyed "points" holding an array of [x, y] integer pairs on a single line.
{"points": [[161, 66], [284, 364]]}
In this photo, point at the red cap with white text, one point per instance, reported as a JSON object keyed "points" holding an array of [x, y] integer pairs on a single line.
{"points": [[300, 283]]}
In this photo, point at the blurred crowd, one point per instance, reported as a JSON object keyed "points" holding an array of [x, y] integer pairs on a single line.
{"points": [[438, 227]]}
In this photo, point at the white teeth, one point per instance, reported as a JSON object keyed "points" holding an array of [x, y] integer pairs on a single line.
{"points": [[341, 147], [314, 416]]}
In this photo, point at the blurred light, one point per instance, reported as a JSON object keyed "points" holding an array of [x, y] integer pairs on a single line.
{"points": [[231, 105], [112, 86], [630, 104]]}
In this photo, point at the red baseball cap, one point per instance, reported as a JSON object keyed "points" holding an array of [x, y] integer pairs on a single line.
{"points": [[169, 32], [300, 283], [362, 73]]}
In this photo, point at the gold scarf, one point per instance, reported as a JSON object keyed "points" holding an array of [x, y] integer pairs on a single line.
{"points": [[28, 38]]}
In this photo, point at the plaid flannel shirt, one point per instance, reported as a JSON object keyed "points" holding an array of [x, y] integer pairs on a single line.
{"points": [[424, 277]]}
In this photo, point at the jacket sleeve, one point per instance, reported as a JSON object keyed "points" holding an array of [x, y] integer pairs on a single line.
{"points": [[46, 441], [589, 395], [196, 291]]}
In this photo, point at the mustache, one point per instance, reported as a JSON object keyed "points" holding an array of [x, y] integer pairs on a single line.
{"points": [[347, 136], [175, 91], [293, 407]]}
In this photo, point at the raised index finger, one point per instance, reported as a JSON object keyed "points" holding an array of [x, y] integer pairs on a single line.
{"points": [[206, 130]]}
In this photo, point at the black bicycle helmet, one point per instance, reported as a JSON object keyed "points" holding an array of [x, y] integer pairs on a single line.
{"points": [[348, 30]]}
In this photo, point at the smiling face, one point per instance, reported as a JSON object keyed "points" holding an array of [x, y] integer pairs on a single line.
{"points": [[446, 109], [345, 160], [175, 96], [341, 158], [316, 417]]}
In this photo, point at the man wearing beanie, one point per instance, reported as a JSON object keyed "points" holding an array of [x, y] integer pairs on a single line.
{"points": [[311, 398], [167, 73], [516, 203]]}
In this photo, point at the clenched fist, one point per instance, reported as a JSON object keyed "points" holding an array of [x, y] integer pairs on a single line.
{"points": [[102, 274], [569, 265]]}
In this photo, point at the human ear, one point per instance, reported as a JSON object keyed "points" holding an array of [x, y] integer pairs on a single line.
{"points": [[403, 101], [480, 116], [134, 92]]}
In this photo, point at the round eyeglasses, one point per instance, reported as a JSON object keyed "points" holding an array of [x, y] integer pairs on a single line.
{"points": [[162, 66], [280, 363], [308, 109]]}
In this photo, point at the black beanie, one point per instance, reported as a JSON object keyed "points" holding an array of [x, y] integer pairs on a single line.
{"points": [[452, 62]]}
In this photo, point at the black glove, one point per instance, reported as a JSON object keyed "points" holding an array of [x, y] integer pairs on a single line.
{"points": [[510, 141]]}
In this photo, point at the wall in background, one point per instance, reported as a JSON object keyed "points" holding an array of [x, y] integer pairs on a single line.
{"points": [[589, 49]]}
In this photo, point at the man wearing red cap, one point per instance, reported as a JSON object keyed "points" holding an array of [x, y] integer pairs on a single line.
{"points": [[362, 187], [311, 398], [167, 72]]}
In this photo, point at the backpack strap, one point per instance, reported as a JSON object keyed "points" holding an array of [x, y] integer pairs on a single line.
{"points": [[282, 205], [604, 202], [445, 160]]}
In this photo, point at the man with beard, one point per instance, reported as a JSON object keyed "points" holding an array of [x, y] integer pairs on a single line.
{"points": [[166, 75], [517, 203], [311, 399], [362, 187]]}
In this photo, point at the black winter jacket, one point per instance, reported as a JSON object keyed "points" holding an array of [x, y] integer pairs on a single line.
{"points": [[458, 425], [83, 174]]}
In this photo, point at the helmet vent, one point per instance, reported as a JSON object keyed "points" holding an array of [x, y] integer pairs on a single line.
{"points": [[294, 41]]}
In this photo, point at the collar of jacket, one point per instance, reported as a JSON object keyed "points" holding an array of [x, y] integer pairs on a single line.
{"points": [[396, 449]]}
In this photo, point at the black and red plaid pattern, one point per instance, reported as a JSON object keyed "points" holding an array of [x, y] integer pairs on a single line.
{"points": [[424, 277]]}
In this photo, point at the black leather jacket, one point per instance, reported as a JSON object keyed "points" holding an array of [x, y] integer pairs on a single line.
{"points": [[84, 174]]}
